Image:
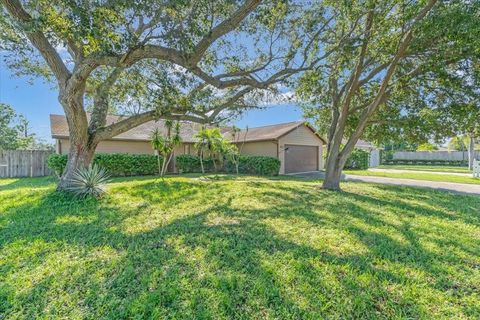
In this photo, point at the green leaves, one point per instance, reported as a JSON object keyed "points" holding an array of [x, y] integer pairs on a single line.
{"points": [[116, 164], [14, 130]]}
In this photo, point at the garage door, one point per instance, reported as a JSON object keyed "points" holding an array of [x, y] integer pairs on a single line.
{"points": [[300, 158]]}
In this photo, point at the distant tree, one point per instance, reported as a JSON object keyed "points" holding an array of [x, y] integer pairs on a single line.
{"points": [[459, 143], [427, 146], [41, 144], [465, 120], [14, 130], [8, 132]]}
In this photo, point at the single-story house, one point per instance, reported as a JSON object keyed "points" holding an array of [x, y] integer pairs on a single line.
{"points": [[296, 144]]}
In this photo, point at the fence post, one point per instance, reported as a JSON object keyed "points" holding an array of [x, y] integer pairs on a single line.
{"points": [[8, 164], [31, 163], [476, 168]]}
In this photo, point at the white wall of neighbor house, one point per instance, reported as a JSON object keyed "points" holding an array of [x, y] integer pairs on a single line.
{"points": [[374, 158], [300, 136]]}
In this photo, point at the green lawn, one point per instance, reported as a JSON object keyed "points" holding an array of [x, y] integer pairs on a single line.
{"points": [[453, 169], [243, 248], [417, 176]]}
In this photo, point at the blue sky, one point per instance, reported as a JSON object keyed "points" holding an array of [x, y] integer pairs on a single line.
{"points": [[38, 99]]}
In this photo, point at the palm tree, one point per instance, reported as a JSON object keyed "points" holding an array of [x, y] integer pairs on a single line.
{"points": [[208, 140], [164, 145]]}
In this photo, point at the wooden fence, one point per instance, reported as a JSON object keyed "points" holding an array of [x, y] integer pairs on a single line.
{"points": [[24, 163]]}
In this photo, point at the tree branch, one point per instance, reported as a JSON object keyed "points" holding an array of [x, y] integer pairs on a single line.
{"points": [[381, 95], [100, 101], [223, 28], [38, 39]]}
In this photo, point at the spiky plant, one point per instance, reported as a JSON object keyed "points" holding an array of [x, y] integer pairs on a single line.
{"points": [[89, 181]]}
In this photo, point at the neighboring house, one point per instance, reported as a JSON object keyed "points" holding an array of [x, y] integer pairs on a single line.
{"points": [[295, 144]]}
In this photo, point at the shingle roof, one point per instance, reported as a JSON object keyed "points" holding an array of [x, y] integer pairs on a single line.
{"points": [[59, 129], [270, 132]]}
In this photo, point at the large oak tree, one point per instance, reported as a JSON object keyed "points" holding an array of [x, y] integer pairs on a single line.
{"points": [[170, 59], [371, 53]]}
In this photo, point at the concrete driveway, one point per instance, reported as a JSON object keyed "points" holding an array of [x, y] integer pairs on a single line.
{"points": [[461, 188]]}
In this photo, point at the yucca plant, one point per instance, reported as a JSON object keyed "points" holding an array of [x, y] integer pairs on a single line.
{"points": [[89, 181]]}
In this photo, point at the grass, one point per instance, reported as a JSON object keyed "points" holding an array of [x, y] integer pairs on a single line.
{"points": [[453, 169], [237, 248], [417, 176]]}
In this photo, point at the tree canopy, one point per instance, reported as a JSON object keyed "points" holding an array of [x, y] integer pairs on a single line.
{"points": [[181, 60], [371, 65]]}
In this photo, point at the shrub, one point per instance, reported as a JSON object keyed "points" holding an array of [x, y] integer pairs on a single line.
{"points": [[358, 160], [187, 163], [261, 165], [116, 164], [57, 163], [123, 164], [89, 182]]}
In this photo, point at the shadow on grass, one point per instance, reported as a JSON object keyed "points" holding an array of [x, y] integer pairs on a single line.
{"points": [[222, 260]]}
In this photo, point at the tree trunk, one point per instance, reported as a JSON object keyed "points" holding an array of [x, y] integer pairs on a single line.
{"points": [[79, 157], [82, 143], [471, 152], [214, 164], [201, 162], [166, 163], [333, 173], [159, 163]]}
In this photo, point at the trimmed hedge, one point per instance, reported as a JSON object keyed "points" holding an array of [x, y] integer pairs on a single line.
{"points": [[358, 160], [258, 165], [116, 164], [437, 162], [187, 163]]}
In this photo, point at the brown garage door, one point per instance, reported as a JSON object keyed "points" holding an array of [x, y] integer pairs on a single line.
{"points": [[300, 158]]}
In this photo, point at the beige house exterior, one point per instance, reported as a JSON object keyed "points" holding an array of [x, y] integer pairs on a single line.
{"points": [[295, 144]]}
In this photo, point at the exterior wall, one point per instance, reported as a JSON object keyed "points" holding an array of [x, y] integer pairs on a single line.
{"points": [[374, 158], [300, 136], [260, 148], [112, 146]]}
